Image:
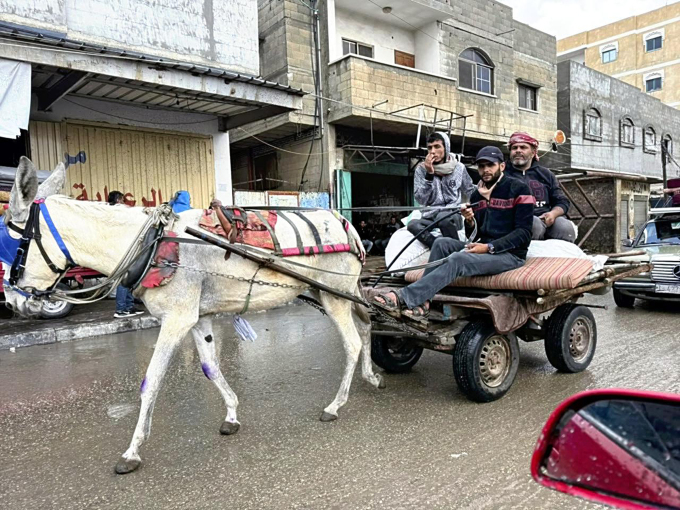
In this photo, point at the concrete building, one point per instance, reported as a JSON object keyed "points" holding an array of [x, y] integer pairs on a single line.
{"points": [[612, 154], [384, 69], [640, 50], [145, 92]]}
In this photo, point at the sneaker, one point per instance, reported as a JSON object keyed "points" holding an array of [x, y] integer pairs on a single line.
{"points": [[135, 311], [122, 314]]}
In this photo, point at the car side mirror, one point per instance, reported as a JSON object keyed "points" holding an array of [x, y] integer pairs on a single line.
{"points": [[627, 243], [617, 447]]}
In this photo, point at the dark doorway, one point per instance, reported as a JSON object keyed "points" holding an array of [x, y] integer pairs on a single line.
{"points": [[12, 149], [372, 189], [266, 172]]}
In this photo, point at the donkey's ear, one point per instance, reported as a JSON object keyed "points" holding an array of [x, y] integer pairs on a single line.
{"points": [[54, 183], [24, 190]]}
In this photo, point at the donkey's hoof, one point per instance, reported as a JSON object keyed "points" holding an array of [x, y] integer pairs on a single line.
{"points": [[229, 427], [381, 382], [326, 417], [125, 466]]}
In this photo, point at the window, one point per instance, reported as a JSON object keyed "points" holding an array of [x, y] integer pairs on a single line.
{"points": [[668, 144], [627, 133], [649, 141], [475, 71], [653, 44], [592, 129], [653, 84], [402, 58], [356, 48], [528, 97], [609, 56]]}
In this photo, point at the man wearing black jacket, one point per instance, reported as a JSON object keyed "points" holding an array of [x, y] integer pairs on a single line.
{"points": [[551, 202], [503, 218]]}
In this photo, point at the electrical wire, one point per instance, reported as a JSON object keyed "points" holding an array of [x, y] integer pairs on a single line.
{"points": [[109, 114]]}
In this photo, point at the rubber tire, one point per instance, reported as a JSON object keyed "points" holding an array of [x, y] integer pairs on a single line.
{"points": [[557, 338], [622, 300], [60, 312], [466, 356], [382, 357]]}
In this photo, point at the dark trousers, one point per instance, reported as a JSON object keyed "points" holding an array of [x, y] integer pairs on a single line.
{"points": [[459, 264], [449, 227], [124, 299]]}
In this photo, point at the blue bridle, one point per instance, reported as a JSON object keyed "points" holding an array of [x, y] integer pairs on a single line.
{"points": [[15, 251]]}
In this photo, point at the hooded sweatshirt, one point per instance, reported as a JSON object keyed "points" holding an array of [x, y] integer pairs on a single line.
{"points": [[543, 185], [445, 187]]}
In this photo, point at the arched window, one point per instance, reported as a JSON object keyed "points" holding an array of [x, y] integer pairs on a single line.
{"points": [[592, 124], [667, 142], [627, 133], [649, 141], [475, 71]]}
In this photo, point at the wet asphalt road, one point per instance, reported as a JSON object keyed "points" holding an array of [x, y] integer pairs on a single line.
{"points": [[68, 411]]}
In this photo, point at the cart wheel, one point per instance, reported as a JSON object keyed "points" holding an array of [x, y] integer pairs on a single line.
{"points": [[56, 309], [571, 338], [394, 353], [622, 300], [484, 362]]}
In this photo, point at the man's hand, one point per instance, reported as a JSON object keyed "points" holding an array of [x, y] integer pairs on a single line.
{"points": [[467, 213], [429, 163], [477, 248], [215, 204], [548, 218]]}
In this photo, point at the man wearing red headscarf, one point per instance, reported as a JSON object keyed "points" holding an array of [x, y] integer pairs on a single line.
{"points": [[551, 202]]}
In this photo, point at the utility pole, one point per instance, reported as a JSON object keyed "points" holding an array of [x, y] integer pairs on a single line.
{"points": [[664, 156]]}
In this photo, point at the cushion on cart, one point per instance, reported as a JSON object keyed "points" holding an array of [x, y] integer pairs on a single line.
{"points": [[537, 273]]}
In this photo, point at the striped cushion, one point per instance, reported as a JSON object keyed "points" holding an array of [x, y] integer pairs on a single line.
{"points": [[537, 273]]}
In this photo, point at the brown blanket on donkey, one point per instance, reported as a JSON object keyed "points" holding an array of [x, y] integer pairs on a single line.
{"points": [[241, 227]]}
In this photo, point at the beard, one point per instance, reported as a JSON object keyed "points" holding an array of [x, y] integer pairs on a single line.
{"points": [[490, 181], [520, 160]]}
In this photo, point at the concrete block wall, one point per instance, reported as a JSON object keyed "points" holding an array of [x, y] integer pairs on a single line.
{"points": [[614, 99], [202, 31]]}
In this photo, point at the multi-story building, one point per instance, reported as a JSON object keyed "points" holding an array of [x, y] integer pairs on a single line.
{"points": [[384, 75], [612, 153], [643, 51], [144, 91]]}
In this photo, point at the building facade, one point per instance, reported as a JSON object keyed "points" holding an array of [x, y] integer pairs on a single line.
{"points": [[383, 78], [612, 154], [139, 96], [643, 51]]}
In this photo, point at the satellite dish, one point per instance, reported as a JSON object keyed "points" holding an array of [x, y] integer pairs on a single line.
{"points": [[559, 137]]}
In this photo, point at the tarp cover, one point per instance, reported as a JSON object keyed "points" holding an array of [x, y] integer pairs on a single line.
{"points": [[15, 97]]}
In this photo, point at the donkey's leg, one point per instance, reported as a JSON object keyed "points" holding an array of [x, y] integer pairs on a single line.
{"points": [[173, 330], [362, 320], [340, 312], [205, 344]]}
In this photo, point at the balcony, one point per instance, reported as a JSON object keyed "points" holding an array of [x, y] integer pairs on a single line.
{"points": [[358, 83]]}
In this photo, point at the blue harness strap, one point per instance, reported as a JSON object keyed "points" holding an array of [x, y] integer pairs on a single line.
{"points": [[55, 234], [9, 246]]}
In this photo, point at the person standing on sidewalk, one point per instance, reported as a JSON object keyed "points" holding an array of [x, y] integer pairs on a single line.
{"points": [[125, 301]]}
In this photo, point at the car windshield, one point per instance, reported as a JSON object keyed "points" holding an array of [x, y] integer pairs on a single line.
{"points": [[660, 232]]}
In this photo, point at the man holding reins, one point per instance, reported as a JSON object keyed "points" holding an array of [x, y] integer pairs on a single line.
{"points": [[503, 216], [551, 202]]}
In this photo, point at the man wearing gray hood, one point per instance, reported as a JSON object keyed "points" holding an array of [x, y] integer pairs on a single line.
{"points": [[440, 181]]}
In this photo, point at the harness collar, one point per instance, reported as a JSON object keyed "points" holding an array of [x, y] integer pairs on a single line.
{"points": [[31, 232]]}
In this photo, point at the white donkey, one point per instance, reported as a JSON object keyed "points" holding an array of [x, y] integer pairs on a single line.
{"points": [[97, 236]]}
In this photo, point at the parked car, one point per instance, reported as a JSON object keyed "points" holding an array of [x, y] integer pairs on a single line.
{"points": [[659, 239], [74, 278], [617, 447]]}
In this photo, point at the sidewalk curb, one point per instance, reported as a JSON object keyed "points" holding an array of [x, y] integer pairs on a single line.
{"points": [[77, 331]]}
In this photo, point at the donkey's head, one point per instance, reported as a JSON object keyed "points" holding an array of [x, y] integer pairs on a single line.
{"points": [[37, 274]]}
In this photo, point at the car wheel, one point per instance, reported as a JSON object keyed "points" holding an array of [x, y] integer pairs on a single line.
{"points": [[623, 300], [394, 353], [56, 309], [571, 338], [484, 362]]}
